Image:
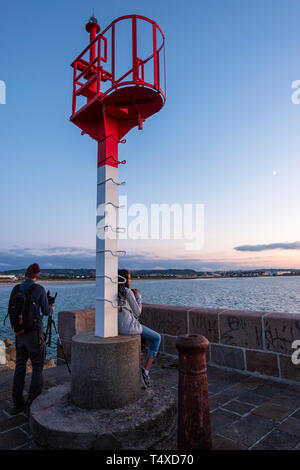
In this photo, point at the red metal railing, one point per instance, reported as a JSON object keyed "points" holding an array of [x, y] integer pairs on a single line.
{"points": [[93, 72]]}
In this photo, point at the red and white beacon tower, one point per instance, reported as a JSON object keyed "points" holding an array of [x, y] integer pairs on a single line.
{"points": [[118, 82]]}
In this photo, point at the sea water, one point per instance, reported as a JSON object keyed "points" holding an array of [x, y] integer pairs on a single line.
{"points": [[273, 294]]}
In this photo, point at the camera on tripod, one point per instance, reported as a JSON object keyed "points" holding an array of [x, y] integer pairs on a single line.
{"points": [[51, 299], [48, 334]]}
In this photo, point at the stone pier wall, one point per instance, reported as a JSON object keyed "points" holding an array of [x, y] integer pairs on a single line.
{"points": [[248, 341], [71, 323]]}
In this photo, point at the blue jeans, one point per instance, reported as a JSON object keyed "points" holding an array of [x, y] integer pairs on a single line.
{"points": [[154, 339]]}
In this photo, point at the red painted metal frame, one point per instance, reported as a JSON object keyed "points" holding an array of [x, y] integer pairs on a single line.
{"points": [[93, 71], [108, 115]]}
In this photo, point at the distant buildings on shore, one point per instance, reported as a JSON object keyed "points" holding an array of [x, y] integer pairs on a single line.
{"points": [[7, 277], [191, 274], [90, 274], [50, 274]]}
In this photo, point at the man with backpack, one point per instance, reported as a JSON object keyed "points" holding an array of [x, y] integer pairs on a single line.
{"points": [[26, 302]]}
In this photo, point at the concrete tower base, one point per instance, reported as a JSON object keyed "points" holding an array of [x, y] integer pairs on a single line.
{"points": [[106, 372], [56, 423], [105, 406]]}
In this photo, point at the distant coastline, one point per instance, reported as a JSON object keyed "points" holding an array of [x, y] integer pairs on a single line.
{"points": [[50, 282], [92, 280]]}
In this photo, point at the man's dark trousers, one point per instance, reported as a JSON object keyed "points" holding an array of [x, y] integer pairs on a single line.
{"points": [[31, 346]]}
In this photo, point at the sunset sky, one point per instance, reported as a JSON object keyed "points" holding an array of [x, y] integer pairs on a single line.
{"points": [[228, 136]]}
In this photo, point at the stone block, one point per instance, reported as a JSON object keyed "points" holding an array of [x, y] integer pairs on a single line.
{"points": [[12, 422], [73, 322], [241, 328], [221, 443], [296, 415], [291, 426], [281, 329], [279, 440], [287, 398], [249, 430], [220, 419], [252, 398], [261, 362], [272, 411], [165, 319], [289, 370], [238, 407], [227, 357], [12, 439], [204, 322], [271, 389], [169, 345]]}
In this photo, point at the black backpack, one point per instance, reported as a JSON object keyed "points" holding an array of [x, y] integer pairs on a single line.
{"points": [[21, 310]]}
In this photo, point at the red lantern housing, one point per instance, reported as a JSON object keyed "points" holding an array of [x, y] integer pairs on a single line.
{"points": [[127, 100]]}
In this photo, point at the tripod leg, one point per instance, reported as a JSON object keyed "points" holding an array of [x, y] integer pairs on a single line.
{"points": [[48, 333], [61, 345]]}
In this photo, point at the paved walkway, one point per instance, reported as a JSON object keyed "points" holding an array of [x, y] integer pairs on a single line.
{"points": [[246, 412]]}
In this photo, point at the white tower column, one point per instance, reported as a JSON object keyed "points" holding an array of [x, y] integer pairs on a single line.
{"points": [[106, 320]]}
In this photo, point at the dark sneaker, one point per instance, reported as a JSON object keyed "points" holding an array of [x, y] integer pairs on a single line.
{"points": [[145, 379], [27, 408], [18, 408]]}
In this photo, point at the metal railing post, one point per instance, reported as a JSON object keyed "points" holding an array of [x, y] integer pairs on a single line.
{"points": [[194, 431], [155, 63], [134, 51]]}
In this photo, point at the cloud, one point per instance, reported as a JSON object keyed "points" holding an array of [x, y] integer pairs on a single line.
{"points": [[50, 251], [62, 257], [48, 257], [148, 261], [269, 246]]}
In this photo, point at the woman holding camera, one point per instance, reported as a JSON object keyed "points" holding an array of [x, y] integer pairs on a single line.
{"points": [[130, 309]]}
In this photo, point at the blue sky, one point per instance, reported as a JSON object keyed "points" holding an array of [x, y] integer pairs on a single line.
{"points": [[228, 136]]}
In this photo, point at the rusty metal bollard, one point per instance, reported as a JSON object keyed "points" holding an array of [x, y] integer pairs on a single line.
{"points": [[194, 431]]}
